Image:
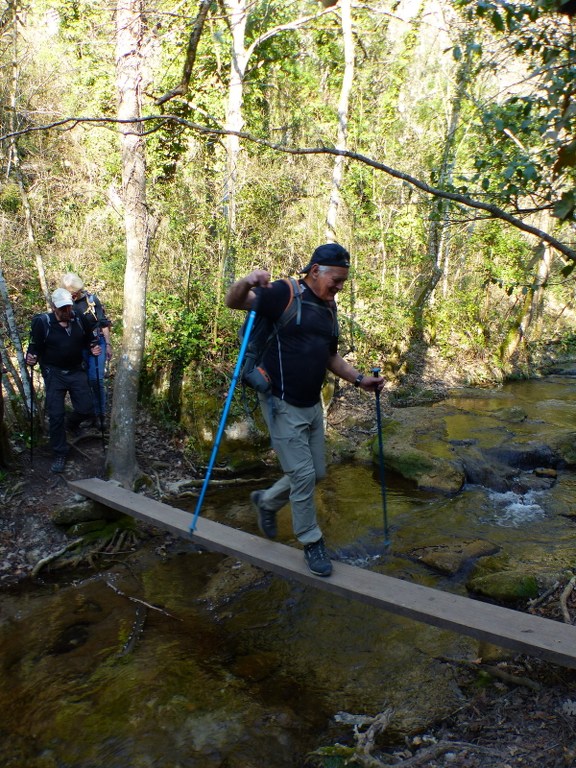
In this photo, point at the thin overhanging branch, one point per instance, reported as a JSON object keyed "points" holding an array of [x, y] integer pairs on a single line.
{"points": [[492, 210], [289, 26], [182, 87]]}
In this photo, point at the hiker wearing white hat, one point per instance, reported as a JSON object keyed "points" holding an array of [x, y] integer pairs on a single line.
{"points": [[57, 341]]}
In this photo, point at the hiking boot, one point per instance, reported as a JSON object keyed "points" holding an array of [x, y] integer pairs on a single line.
{"points": [[59, 464], [266, 518], [317, 558]]}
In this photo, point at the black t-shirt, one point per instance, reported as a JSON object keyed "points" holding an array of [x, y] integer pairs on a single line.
{"points": [[297, 357], [56, 345]]}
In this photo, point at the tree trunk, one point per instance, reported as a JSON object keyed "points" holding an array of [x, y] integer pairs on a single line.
{"points": [[528, 322], [14, 158], [238, 16], [4, 444], [12, 333], [343, 108], [439, 218], [121, 459]]}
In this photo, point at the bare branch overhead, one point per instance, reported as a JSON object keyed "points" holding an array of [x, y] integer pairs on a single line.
{"points": [[158, 121]]}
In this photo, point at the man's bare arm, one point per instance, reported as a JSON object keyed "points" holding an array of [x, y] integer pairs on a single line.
{"points": [[240, 294], [344, 370]]}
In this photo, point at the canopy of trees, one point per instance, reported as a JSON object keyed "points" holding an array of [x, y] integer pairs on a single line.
{"points": [[161, 149]]}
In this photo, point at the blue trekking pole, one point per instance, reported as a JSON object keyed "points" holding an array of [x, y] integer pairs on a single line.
{"points": [[222, 425], [375, 372]]}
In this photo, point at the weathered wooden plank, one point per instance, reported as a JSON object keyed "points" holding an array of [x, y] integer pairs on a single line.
{"points": [[521, 632]]}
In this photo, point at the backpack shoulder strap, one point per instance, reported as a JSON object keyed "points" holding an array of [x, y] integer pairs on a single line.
{"points": [[46, 322], [294, 306]]}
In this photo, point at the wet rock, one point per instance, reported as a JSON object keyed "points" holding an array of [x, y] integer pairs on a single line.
{"points": [[452, 443], [505, 587], [450, 558], [231, 578], [523, 456], [512, 414], [564, 445]]}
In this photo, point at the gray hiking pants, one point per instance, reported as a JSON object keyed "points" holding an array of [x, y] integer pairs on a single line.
{"points": [[297, 436]]}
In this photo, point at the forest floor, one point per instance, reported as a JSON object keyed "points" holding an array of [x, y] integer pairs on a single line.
{"points": [[516, 712]]}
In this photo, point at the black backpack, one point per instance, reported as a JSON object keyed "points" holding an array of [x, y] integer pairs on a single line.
{"points": [[253, 373]]}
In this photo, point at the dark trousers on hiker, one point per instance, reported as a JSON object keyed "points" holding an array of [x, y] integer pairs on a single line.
{"points": [[297, 437], [58, 382]]}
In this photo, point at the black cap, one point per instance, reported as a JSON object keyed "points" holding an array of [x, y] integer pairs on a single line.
{"points": [[329, 255]]}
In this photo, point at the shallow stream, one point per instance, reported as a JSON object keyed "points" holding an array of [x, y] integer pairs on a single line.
{"points": [[152, 664]]}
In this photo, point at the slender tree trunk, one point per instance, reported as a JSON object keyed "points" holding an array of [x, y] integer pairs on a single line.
{"points": [[4, 444], [238, 16], [343, 109], [22, 383], [121, 460], [13, 164], [528, 321], [439, 218]]}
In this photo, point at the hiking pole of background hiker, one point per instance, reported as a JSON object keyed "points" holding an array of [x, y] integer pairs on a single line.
{"points": [[375, 372], [235, 376], [96, 342]]}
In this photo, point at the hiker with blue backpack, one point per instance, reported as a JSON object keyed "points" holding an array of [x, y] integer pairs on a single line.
{"points": [[90, 306], [302, 346], [58, 341]]}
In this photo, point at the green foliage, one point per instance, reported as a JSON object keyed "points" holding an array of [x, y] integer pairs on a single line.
{"points": [[10, 198], [176, 331], [516, 148], [336, 756], [532, 130]]}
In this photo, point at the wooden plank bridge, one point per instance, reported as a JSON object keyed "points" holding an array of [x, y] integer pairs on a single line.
{"points": [[520, 632]]}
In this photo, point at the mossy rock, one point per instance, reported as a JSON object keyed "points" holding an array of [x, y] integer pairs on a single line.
{"points": [[430, 473], [505, 586], [492, 564], [450, 557], [110, 529], [564, 444], [81, 529], [513, 414], [82, 512]]}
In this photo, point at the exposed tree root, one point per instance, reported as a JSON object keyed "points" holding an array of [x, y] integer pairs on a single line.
{"points": [[120, 541], [54, 556], [424, 756], [568, 589], [496, 672]]}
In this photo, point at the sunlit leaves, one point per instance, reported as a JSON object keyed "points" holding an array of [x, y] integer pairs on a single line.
{"points": [[530, 147]]}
